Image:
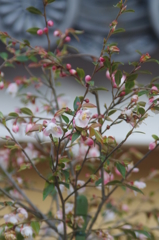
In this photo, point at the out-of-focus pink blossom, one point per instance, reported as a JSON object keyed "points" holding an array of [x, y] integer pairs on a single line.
{"points": [[15, 128], [79, 184], [152, 145], [82, 118], [40, 32], [139, 184], [89, 141], [53, 129], [12, 89], [72, 71], [134, 98], [1, 85], [67, 39], [68, 66], [87, 78], [50, 23], [56, 33]]}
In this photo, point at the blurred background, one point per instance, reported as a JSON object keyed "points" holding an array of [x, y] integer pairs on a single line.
{"points": [[94, 17]]}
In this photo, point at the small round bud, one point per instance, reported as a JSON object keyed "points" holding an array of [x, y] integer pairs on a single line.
{"points": [[68, 66], [152, 145], [46, 30], [72, 71], [15, 128], [87, 78], [101, 59], [56, 33], [1, 85], [40, 32], [86, 100], [67, 39], [53, 68], [154, 89], [50, 23], [134, 98]]}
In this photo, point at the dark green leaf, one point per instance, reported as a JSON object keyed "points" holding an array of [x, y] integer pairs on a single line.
{"points": [[119, 30], [75, 136], [4, 55], [99, 181], [65, 184], [22, 58], [26, 111], [118, 76], [133, 188], [33, 58], [34, 10], [33, 30], [80, 73], [13, 114], [76, 103], [141, 111], [129, 10], [143, 232], [130, 232], [139, 52], [49, 189], [66, 174], [66, 119], [115, 182], [111, 112], [129, 85], [107, 63], [100, 88], [121, 169], [35, 226], [50, 1], [131, 77], [145, 72], [7, 64], [142, 93], [153, 60]]}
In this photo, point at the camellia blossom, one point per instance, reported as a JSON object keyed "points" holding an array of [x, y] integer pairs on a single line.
{"points": [[12, 89], [82, 118], [53, 129]]}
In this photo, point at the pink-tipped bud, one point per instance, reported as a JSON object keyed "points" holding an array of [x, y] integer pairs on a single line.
{"points": [[108, 74], [89, 142], [56, 33], [1, 85], [15, 128], [46, 30], [68, 66], [101, 59], [95, 115], [50, 23], [72, 71], [67, 39], [154, 89], [44, 123], [86, 100], [113, 49], [134, 98], [152, 145], [63, 74], [122, 94], [28, 127], [87, 78], [40, 32], [145, 57], [53, 68]]}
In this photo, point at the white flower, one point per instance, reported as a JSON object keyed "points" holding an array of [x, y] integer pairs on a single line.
{"points": [[27, 232], [109, 216], [10, 218], [139, 184], [79, 184], [93, 153], [53, 129], [12, 89], [60, 228], [69, 207], [21, 214], [82, 118]]}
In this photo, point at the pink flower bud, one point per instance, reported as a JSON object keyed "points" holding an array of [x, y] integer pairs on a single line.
{"points": [[1, 74], [67, 39], [28, 127], [108, 74], [101, 59], [63, 74], [89, 142], [56, 33], [87, 78], [68, 66], [86, 100], [50, 23], [113, 49], [95, 115], [134, 98], [15, 128], [45, 30], [72, 71], [40, 32], [1, 85], [152, 145], [53, 68], [154, 89]]}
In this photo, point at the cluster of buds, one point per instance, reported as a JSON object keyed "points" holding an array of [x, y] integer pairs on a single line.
{"points": [[40, 32], [144, 58]]}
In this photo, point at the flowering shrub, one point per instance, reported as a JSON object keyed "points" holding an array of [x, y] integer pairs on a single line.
{"points": [[71, 139]]}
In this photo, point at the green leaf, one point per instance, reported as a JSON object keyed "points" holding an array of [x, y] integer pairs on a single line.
{"points": [[33, 58], [153, 60], [142, 93], [65, 184], [33, 30], [49, 189], [66, 174], [26, 111], [78, 167], [1, 115], [34, 10], [129, 10], [98, 136], [144, 72], [22, 58], [141, 111], [7, 64], [119, 30], [7, 203], [118, 76], [107, 63], [35, 226], [133, 188], [121, 169], [13, 114], [63, 160], [4, 55], [80, 73], [111, 112], [99, 181], [100, 89], [129, 85], [155, 137], [91, 83], [129, 232], [114, 182], [66, 119], [143, 232], [139, 52], [76, 103], [75, 136], [131, 77]]}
